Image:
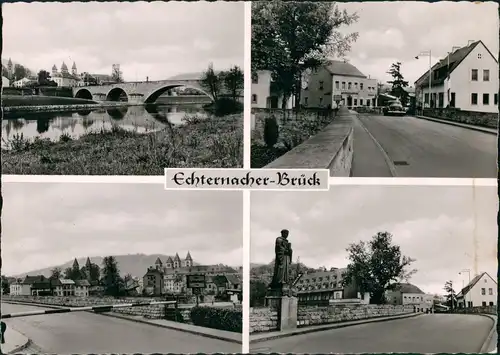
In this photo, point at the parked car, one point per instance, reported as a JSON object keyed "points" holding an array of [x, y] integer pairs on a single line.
{"points": [[394, 109]]}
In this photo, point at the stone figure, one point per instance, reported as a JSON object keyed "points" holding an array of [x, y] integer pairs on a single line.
{"points": [[282, 261]]}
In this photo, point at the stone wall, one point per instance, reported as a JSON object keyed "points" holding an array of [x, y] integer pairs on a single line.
{"points": [[151, 312], [483, 119], [263, 319], [479, 310], [332, 148], [315, 315]]}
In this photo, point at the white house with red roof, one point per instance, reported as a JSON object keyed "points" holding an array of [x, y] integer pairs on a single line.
{"points": [[481, 291], [466, 78]]}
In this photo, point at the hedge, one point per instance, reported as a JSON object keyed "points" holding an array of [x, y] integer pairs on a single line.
{"points": [[217, 318]]}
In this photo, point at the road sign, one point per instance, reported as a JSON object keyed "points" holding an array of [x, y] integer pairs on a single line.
{"points": [[337, 98], [196, 281]]}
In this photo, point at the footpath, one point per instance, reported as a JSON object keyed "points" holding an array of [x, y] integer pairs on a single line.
{"points": [[14, 341], [260, 337], [458, 124], [224, 335]]}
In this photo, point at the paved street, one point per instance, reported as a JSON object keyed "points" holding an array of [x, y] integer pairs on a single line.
{"points": [[421, 148], [82, 332], [429, 333]]}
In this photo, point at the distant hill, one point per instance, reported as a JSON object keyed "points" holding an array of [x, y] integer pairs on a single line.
{"points": [[134, 264]]}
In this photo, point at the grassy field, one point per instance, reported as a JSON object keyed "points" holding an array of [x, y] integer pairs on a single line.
{"points": [[215, 142], [34, 100]]}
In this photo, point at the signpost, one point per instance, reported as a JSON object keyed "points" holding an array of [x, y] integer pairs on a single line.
{"points": [[196, 282]]}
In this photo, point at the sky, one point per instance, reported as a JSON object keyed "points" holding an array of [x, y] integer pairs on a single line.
{"points": [[157, 39], [446, 229], [399, 31], [46, 225]]}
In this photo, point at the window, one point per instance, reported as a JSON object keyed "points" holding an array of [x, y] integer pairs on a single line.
{"points": [[343, 85], [474, 75], [361, 86], [306, 99], [337, 85], [355, 102], [490, 291], [426, 98], [356, 86], [483, 291], [255, 79], [473, 98], [484, 304], [254, 99], [491, 303], [349, 86], [321, 83], [360, 102], [452, 103], [486, 99], [495, 99], [486, 75], [479, 56]]}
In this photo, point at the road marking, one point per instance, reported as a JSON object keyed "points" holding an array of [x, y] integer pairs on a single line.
{"points": [[388, 161]]}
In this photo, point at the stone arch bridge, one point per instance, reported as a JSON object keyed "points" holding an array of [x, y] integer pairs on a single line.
{"points": [[142, 92]]}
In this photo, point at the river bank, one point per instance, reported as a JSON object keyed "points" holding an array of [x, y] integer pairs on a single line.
{"points": [[213, 142]]}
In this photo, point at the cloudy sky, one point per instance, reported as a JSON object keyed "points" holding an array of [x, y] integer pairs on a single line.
{"points": [[398, 31], [49, 224], [158, 39], [446, 229]]}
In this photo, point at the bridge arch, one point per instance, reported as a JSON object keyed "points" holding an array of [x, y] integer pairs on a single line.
{"points": [[153, 96], [117, 94], [84, 94]]}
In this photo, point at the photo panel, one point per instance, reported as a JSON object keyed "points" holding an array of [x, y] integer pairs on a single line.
{"points": [[120, 268], [374, 269], [122, 88], [376, 89]]}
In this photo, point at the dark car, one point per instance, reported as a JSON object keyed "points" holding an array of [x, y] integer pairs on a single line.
{"points": [[394, 109]]}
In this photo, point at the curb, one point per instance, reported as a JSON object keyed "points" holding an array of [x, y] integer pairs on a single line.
{"points": [[195, 332], [301, 331], [21, 347], [487, 341], [458, 124]]}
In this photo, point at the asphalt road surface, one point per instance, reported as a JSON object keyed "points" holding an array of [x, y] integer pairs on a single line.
{"points": [[386, 146], [429, 333], [82, 332]]}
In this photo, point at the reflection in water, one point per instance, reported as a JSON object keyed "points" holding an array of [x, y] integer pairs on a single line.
{"points": [[141, 119]]}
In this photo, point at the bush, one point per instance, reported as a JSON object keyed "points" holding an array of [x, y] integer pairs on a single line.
{"points": [[224, 106], [271, 131], [217, 318], [174, 315]]}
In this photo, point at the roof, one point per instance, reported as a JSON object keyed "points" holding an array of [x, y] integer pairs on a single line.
{"points": [[343, 68], [407, 288], [29, 280], [455, 59], [188, 256], [43, 285], [473, 282], [317, 274], [67, 281], [82, 283], [233, 279]]}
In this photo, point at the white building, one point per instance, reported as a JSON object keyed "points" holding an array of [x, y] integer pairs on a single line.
{"points": [[82, 288], [410, 295], [263, 93], [341, 79], [20, 289], [5, 82], [64, 78], [63, 287], [466, 79], [481, 291], [21, 83]]}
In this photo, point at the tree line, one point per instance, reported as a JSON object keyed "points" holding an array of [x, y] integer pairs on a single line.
{"points": [[230, 82]]}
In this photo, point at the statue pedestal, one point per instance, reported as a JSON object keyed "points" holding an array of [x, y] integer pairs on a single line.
{"points": [[287, 307]]}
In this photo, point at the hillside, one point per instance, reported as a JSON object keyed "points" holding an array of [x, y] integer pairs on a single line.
{"points": [[134, 264]]}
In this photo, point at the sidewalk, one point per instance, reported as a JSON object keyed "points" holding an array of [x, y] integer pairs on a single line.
{"points": [[14, 341], [491, 340], [260, 337], [458, 124], [183, 327]]}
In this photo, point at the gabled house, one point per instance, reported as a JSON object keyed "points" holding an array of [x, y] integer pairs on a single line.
{"points": [[466, 78], [408, 294], [481, 291]]}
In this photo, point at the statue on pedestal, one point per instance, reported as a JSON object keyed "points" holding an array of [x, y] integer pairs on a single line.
{"points": [[283, 258]]}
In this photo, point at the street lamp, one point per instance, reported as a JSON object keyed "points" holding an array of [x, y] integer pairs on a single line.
{"points": [[468, 273], [427, 54]]}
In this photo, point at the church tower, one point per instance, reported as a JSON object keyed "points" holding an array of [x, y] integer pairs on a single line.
{"points": [[177, 261], [54, 70], [189, 260], [73, 69], [64, 68], [10, 68]]}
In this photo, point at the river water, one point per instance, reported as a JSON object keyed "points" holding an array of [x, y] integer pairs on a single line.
{"points": [[52, 125]]}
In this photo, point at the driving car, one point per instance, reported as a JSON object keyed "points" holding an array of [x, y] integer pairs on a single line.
{"points": [[394, 109]]}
